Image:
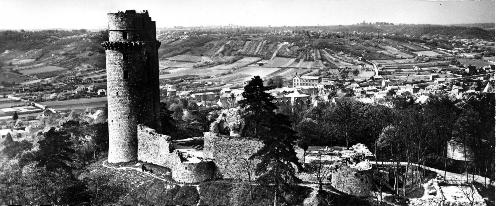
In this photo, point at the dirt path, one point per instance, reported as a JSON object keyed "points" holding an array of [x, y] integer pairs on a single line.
{"points": [[450, 176]]}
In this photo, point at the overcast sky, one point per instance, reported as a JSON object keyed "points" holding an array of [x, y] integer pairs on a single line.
{"points": [[91, 14]]}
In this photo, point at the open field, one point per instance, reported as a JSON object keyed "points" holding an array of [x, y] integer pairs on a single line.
{"points": [[77, 103], [222, 69], [11, 104], [44, 69], [426, 53], [12, 77], [175, 64], [291, 72], [185, 58], [184, 71], [245, 61], [244, 74], [279, 62], [257, 71]]}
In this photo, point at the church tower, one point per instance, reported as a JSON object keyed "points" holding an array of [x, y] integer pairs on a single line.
{"points": [[132, 81]]}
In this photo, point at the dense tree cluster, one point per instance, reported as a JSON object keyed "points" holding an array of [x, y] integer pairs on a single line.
{"points": [[49, 173], [409, 131]]}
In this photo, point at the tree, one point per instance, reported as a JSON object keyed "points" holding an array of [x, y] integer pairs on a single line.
{"points": [[466, 131], [344, 73], [440, 114], [177, 110], [277, 156], [322, 170], [258, 108], [14, 148], [346, 118], [275, 82], [166, 120], [15, 116], [309, 133], [356, 72], [55, 151]]}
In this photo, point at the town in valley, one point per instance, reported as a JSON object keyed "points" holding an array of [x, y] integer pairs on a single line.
{"points": [[370, 113]]}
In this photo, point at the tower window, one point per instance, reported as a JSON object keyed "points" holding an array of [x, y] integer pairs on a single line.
{"points": [[124, 35], [126, 74]]}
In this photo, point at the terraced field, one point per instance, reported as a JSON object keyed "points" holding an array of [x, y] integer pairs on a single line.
{"points": [[39, 70], [77, 103], [240, 76]]}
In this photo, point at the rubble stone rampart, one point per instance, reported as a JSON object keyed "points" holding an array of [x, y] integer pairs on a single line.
{"points": [[351, 181], [157, 149], [232, 155]]}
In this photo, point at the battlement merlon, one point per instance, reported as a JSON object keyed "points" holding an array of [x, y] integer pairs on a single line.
{"points": [[129, 21], [126, 13]]}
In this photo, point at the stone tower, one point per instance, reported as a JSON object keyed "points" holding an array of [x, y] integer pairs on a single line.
{"points": [[132, 81]]}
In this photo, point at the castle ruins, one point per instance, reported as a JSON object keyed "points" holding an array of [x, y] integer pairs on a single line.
{"points": [[133, 114]]}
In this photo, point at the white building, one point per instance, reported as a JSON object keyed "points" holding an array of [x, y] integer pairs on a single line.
{"points": [[299, 81]]}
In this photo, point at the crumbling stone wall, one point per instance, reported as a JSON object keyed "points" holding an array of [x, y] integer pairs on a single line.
{"points": [[229, 120], [157, 149], [351, 181], [193, 172], [231, 155]]}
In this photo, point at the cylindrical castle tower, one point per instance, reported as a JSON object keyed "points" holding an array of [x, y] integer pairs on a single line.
{"points": [[132, 81]]}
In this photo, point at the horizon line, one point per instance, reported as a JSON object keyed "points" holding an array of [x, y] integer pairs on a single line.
{"points": [[251, 26]]}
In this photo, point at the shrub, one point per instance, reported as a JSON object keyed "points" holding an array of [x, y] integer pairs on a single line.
{"points": [[247, 194], [187, 195], [215, 193]]}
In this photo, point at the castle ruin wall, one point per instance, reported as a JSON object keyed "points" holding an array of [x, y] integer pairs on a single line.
{"points": [[157, 149], [351, 181], [232, 155]]}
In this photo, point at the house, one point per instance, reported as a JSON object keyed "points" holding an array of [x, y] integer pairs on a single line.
{"points": [[225, 91], [489, 88], [311, 81], [297, 98], [206, 96], [101, 92], [171, 92], [170, 87]]}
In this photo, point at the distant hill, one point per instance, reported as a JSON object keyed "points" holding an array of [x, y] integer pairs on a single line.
{"points": [[29, 55], [479, 31], [488, 26], [54, 47], [26, 55]]}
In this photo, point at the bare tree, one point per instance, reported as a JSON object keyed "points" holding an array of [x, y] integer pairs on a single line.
{"points": [[469, 193], [323, 171]]}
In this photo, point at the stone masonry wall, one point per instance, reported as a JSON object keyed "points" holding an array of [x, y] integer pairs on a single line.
{"points": [[193, 172], [121, 115], [231, 155], [156, 148], [132, 81], [352, 182]]}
